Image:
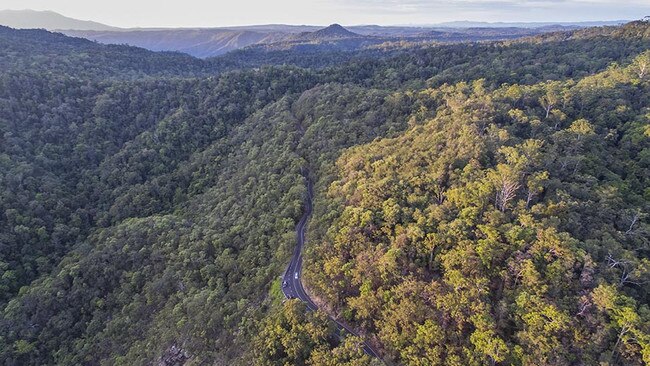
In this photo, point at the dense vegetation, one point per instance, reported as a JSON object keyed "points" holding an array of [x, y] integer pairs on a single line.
{"points": [[55, 55], [510, 227], [415, 66], [148, 202]]}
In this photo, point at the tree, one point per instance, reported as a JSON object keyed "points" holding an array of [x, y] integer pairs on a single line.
{"points": [[630, 326], [641, 65]]}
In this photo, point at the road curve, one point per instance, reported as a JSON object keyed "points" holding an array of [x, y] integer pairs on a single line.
{"points": [[292, 278]]}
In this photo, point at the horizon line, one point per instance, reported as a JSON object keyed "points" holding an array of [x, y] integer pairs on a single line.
{"points": [[408, 25]]}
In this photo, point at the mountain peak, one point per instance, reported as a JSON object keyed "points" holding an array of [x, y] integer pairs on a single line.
{"points": [[333, 31], [46, 19], [336, 27]]}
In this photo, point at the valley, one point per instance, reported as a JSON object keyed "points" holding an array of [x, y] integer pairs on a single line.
{"points": [[308, 195]]}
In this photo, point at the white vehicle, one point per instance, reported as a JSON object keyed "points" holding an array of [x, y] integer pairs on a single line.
{"points": [[296, 275]]}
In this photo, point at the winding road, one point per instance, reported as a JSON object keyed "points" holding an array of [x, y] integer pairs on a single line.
{"points": [[292, 279]]}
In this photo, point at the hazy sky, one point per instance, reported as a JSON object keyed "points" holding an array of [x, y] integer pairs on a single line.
{"points": [[187, 13]]}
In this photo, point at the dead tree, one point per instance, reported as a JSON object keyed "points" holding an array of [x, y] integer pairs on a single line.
{"points": [[506, 191], [626, 270]]}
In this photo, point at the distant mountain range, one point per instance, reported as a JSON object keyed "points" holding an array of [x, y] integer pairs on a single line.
{"points": [[469, 24], [196, 42], [209, 42], [49, 20]]}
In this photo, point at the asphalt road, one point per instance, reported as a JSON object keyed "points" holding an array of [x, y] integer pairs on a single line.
{"points": [[292, 279]]}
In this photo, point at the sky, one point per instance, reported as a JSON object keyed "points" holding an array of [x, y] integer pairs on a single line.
{"points": [[214, 13]]}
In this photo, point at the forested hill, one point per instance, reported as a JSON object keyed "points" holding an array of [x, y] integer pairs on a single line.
{"points": [[578, 53], [404, 64], [510, 228], [148, 202], [54, 54]]}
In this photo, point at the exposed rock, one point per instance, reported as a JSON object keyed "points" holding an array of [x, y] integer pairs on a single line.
{"points": [[174, 356]]}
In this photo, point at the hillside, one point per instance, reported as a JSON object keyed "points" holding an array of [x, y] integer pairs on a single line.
{"points": [[473, 203], [29, 19], [503, 227], [206, 43], [211, 42], [196, 42], [54, 54]]}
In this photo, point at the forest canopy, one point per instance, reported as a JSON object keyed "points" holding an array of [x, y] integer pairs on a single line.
{"points": [[475, 203]]}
